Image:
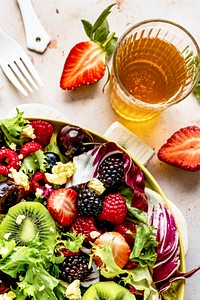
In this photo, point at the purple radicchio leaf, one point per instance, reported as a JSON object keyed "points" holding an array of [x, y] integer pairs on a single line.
{"points": [[168, 250], [87, 168], [162, 287], [165, 270]]}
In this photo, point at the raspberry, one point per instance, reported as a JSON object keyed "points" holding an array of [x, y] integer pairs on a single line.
{"points": [[30, 147], [75, 267], [67, 252], [111, 171], [43, 131], [85, 225], [38, 181], [123, 228], [89, 203], [8, 159], [114, 209]]}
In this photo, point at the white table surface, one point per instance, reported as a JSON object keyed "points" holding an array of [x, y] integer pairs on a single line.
{"points": [[90, 108]]}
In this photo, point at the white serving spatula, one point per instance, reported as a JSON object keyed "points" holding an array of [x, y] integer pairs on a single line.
{"points": [[37, 39]]}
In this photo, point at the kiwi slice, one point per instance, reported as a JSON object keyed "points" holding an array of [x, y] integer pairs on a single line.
{"points": [[25, 220], [108, 290]]}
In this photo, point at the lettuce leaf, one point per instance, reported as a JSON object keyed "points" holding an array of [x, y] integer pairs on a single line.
{"points": [[13, 128], [140, 277], [35, 161], [143, 250], [33, 263]]}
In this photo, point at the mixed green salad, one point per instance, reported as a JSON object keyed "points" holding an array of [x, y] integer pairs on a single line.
{"points": [[77, 221]]}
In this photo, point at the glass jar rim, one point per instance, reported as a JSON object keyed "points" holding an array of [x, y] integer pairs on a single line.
{"points": [[121, 86]]}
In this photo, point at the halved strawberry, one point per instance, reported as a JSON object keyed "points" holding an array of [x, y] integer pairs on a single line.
{"points": [[85, 64], [62, 205], [182, 149], [120, 249], [87, 61]]}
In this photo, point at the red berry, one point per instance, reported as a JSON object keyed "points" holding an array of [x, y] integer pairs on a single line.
{"points": [[120, 249], [8, 159], [62, 205], [85, 64], [85, 225], [182, 149], [123, 228], [43, 131], [67, 252], [38, 181], [114, 209], [30, 147]]}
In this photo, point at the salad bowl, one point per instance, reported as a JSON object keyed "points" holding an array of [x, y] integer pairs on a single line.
{"points": [[151, 188]]}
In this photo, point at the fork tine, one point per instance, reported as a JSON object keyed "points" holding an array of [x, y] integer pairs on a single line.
{"points": [[24, 70], [31, 68], [12, 77], [17, 70]]}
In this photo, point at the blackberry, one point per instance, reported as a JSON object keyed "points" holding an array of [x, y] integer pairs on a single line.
{"points": [[111, 171], [89, 203], [75, 267]]}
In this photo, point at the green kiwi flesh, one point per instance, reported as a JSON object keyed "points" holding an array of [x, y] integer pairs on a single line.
{"points": [[108, 290], [25, 220]]}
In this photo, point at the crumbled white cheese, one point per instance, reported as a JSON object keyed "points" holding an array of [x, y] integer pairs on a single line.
{"points": [[19, 219], [51, 229], [28, 131], [8, 296], [61, 173], [94, 234], [96, 185], [19, 178], [39, 193], [13, 146], [41, 288], [6, 235], [20, 156], [73, 291]]}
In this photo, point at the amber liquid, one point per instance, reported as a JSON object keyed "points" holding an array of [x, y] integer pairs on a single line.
{"points": [[150, 69]]}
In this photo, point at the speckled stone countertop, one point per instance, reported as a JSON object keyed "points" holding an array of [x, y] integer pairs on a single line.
{"points": [[90, 108]]}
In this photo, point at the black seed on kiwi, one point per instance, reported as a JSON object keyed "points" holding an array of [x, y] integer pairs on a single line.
{"points": [[25, 220]]}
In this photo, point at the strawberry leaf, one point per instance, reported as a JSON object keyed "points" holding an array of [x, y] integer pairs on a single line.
{"points": [[197, 90], [102, 17], [87, 27], [102, 32], [110, 46]]}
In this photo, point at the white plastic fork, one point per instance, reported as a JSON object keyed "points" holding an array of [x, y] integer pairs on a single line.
{"points": [[17, 66]]}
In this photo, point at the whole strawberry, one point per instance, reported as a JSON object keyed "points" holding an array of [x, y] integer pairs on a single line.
{"points": [[114, 209], [43, 131], [87, 61]]}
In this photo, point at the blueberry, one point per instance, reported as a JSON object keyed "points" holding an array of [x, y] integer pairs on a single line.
{"points": [[51, 158]]}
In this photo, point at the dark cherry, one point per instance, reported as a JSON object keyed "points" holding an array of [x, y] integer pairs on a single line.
{"points": [[10, 194], [73, 140], [51, 158]]}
